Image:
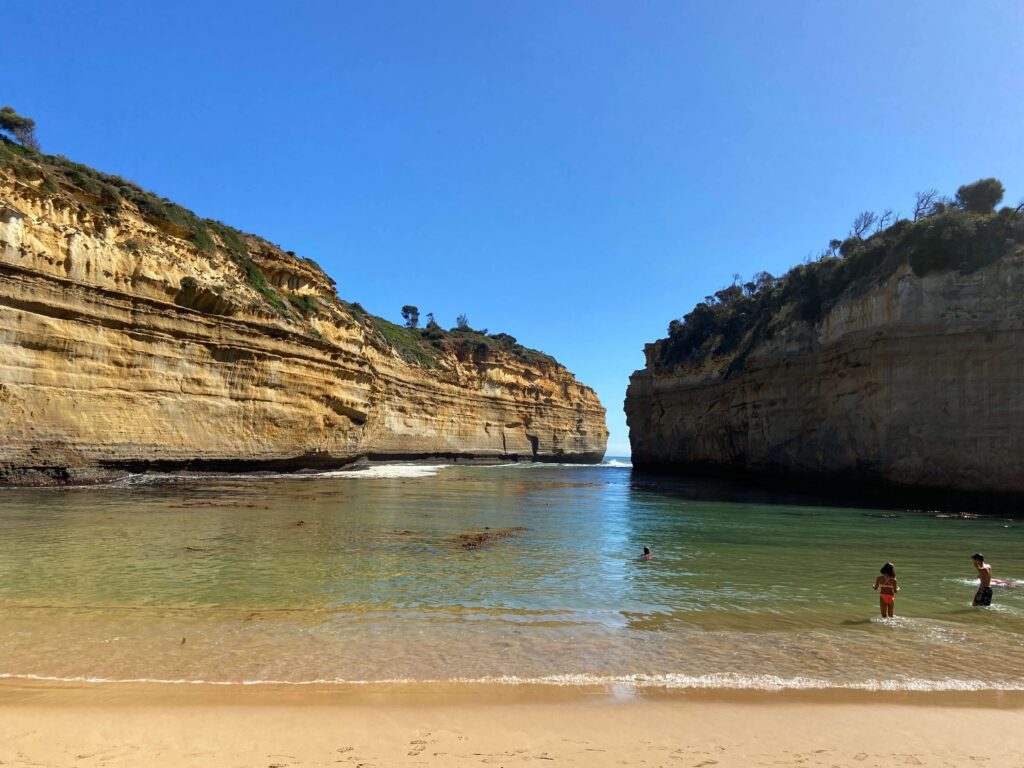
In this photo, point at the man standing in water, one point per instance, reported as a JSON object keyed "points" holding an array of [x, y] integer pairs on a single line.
{"points": [[984, 593]]}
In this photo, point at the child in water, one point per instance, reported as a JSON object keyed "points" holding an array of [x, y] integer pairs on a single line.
{"points": [[887, 587]]}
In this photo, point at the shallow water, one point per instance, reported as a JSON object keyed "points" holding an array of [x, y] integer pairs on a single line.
{"points": [[215, 579]]}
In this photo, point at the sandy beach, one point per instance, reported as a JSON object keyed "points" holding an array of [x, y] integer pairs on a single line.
{"points": [[63, 724]]}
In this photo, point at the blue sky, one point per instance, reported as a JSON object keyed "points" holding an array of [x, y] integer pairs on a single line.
{"points": [[576, 174]]}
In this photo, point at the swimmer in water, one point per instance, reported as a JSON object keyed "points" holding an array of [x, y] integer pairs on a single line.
{"points": [[647, 554], [984, 594], [886, 587]]}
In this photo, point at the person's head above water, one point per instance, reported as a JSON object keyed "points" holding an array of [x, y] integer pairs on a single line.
{"points": [[889, 570], [647, 550], [978, 557]]}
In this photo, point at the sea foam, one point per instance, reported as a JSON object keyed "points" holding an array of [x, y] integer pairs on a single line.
{"points": [[719, 681]]}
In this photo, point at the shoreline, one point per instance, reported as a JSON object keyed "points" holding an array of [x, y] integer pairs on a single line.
{"points": [[109, 474], [637, 685], [455, 725], [29, 691]]}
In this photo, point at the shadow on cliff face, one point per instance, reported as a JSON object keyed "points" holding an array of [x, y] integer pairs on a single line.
{"points": [[809, 491]]}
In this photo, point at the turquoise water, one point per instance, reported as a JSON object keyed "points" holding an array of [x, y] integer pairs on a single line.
{"points": [[376, 575]]}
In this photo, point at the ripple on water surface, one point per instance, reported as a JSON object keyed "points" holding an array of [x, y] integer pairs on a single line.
{"points": [[518, 574]]}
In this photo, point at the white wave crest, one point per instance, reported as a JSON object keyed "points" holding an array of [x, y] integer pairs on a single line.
{"points": [[385, 471], [729, 681], [369, 472]]}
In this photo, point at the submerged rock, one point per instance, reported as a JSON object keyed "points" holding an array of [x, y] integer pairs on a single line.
{"points": [[486, 537]]}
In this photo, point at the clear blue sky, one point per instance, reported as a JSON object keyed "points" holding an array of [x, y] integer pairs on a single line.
{"points": [[573, 173]]}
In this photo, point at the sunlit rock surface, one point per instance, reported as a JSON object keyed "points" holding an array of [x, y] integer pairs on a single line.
{"points": [[124, 345]]}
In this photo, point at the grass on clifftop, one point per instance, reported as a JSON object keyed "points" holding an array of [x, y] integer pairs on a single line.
{"points": [[947, 235], [107, 195]]}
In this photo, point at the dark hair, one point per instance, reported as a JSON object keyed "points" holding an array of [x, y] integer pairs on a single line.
{"points": [[647, 550], [978, 556], [889, 570]]}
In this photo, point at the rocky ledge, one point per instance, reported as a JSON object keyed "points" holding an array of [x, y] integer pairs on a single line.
{"points": [[135, 335]]}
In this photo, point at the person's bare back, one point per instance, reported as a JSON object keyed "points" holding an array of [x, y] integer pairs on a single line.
{"points": [[887, 587], [984, 594]]}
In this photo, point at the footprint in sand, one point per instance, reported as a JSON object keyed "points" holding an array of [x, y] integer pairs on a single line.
{"points": [[681, 754], [417, 747]]}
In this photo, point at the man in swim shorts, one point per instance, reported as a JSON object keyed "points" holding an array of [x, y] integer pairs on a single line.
{"points": [[984, 593]]}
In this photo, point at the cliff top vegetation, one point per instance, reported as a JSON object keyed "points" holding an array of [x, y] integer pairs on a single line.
{"points": [[963, 234], [104, 196], [429, 345]]}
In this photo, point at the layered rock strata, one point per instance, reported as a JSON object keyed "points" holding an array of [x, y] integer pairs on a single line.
{"points": [[124, 345], [916, 382]]}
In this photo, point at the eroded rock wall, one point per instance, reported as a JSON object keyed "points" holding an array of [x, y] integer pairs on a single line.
{"points": [[124, 345], [918, 382]]}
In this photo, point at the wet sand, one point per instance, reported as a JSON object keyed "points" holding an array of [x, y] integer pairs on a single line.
{"points": [[66, 724]]}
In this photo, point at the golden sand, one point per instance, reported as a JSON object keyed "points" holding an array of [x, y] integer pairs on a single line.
{"points": [[61, 724]]}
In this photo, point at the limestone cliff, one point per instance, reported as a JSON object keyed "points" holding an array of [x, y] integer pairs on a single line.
{"points": [[134, 334], [900, 363]]}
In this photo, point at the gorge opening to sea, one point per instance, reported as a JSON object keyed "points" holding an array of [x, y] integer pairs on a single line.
{"points": [[522, 573]]}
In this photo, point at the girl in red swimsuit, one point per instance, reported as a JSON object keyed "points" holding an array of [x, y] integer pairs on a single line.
{"points": [[887, 587]]}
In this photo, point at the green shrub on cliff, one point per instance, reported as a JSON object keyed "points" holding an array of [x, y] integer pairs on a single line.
{"points": [[428, 346], [981, 197], [964, 236], [104, 195], [409, 343], [411, 315], [22, 128], [258, 281], [305, 303]]}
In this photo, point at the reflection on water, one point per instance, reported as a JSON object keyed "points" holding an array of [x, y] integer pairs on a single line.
{"points": [[522, 572]]}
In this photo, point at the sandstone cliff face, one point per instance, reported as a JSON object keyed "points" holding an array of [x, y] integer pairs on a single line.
{"points": [[123, 344], [918, 381]]}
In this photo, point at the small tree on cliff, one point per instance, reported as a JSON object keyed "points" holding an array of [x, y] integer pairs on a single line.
{"points": [[411, 315], [462, 322], [924, 202], [981, 197], [23, 129], [862, 224]]}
